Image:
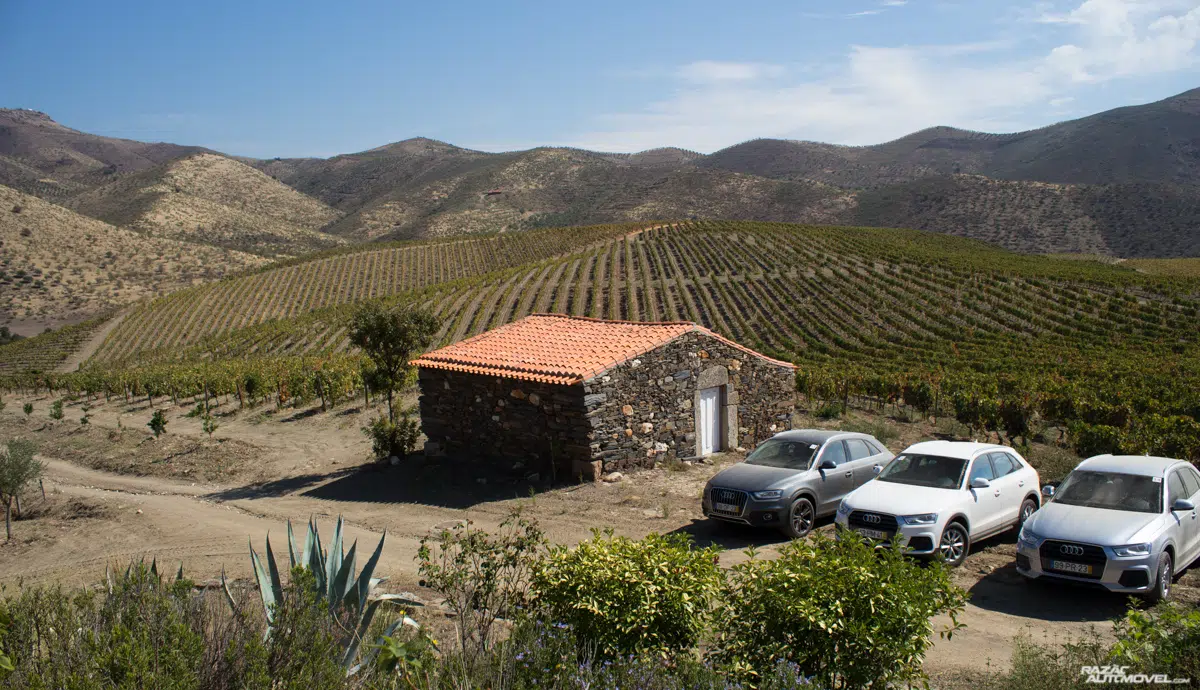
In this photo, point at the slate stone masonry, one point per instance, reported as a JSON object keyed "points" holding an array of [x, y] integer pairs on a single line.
{"points": [[633, 415]]}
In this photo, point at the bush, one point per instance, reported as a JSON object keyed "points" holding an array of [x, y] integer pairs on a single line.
{"points": [[1165, 639], [846, 613], [158, 423], [56, 410], [622, 596], [829, 410], [397, 438]]}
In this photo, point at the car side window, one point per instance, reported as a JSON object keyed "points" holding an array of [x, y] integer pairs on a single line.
{"points": [[1175, 489], [1191, 480], [858, 449], [982, 469], [876, 449], [1003, 463], [835, 451]]}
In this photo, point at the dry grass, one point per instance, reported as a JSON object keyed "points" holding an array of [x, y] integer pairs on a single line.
{"points": [[56, 264]]}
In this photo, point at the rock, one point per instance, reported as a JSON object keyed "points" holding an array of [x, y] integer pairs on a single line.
{"points": [[534, 399], [660, 447], [139, 511], [627, 410], [518, 394], [629, 433], [613, 477], [652, 514], [635, 364], [647, 427]]}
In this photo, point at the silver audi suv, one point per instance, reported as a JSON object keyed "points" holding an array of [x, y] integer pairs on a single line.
{"points": [[1127, 523], [793, 478]]}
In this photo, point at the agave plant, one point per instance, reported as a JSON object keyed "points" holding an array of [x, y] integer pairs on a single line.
{"points": [[347, 594]]}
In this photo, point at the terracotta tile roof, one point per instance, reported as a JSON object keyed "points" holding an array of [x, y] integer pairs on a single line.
{"points": [[561, 349]]}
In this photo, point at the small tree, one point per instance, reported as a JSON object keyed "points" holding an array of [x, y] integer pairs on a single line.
{"points": [[158, 423], [17, 469], [391, 339], [28, 409], [56, 410], [210, 425]]}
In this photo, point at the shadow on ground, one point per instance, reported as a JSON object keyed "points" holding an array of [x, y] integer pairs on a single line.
{"points": [[735, 537], [1004, 590]]}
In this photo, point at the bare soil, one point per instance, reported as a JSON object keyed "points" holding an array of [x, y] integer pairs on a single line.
{"points": [[115, 494]]}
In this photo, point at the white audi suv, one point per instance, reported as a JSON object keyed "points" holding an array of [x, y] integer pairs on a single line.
{"points": [[1126, 523], [938, 497]]}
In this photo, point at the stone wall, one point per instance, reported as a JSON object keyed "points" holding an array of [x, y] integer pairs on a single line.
{"points": [[643, 411], [543, 427]]}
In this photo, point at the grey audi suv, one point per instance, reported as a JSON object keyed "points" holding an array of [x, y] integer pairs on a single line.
{"points": [[793, 478]]}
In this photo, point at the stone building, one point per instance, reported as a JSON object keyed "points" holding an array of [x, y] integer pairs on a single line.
{"points": [[576, 396]]}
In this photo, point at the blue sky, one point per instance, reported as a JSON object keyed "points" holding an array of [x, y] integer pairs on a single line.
{"points": [[299, 78]]}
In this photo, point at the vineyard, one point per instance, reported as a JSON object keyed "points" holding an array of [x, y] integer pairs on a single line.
{"points": [[942, 325]]}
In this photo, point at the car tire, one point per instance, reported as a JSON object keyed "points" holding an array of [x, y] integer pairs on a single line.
{"points": [[1028, 507], [1162, 580], [954, 545], [801, 517]]}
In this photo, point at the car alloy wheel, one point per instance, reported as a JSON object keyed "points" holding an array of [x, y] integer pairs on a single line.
{"points": [[1162, 583], [955, 544], [1028, 508], [801, 517]]}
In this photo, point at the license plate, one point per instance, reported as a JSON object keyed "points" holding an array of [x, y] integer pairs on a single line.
{"points": [[725, 508], [1066, 567], [872, 533]]}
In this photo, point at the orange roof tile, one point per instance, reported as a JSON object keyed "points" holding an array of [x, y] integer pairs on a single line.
{"points": [[561, 349]]}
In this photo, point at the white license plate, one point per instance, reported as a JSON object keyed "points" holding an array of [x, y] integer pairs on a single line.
{"points": [[1066, 567], [726, 508], [872, 533]]}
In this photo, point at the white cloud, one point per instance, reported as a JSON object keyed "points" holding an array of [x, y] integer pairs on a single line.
{"points": [[879, 93], [864, 13], [894, 3]]}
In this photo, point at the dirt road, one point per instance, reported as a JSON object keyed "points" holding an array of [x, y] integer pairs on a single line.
{"points": [[305, 468]]}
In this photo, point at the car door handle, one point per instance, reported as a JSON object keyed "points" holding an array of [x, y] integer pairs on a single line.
{"points": [[997, 492], [850, 473], [1021, 483]]}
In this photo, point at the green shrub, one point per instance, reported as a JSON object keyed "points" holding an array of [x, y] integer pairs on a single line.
{"points": [[1043, 667], [158, 423], [397, 438], [56, 410], [844, 612], [27, 409], [1094, 439], [1165, 639], [829, 410], [624, 596]]}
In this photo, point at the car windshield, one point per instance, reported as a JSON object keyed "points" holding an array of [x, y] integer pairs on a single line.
{"points": [[925, 470], [794, 455], [1111, 491]]}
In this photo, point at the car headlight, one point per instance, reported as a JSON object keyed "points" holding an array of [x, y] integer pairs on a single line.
{"points": [[843, 508], [922, 519], [1132, 550], [1029, 538], [767, 495]]}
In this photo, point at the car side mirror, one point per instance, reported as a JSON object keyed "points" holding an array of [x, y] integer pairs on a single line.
{"points": [[877, 468], [827, 464], [980, 483], [1048, 491], [1182, 505]]}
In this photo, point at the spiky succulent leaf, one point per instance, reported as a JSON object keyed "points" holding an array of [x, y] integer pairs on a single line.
{"points": [[343, 581], [333, 562], [316, 563], [179, 573], [365, 582], [273, 571], [291, 546], [228, 594], [265, 589], [154, 566]]}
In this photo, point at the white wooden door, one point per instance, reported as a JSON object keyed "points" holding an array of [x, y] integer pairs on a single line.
{"points": [[709, 419]]}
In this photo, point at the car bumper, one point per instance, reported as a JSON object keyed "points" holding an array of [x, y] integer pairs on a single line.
{"points": [[755, 513], [916, 540], [1132, 574]]}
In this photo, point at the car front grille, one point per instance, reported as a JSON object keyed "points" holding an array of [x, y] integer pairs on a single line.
{"points": [[877, 521], [1071, 552], [731, 497]]}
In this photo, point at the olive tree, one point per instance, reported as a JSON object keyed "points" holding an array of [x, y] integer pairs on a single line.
{"points": [[18, 469], [391, 338]]}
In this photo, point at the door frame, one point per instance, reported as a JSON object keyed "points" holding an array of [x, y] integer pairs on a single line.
{"points": [[718, 405]]}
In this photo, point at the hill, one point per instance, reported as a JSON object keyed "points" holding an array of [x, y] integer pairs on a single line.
{"points": [[1155, 142], [105, 267], [211, 199], [68, 159], [1126, 219]]}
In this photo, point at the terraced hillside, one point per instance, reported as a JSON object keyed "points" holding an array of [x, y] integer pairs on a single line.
{"points": [[938, 323], [215, 200]]}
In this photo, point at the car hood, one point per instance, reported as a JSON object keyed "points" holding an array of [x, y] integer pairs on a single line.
{"points": [[1093, 525], [903, 499], [753, 477]]}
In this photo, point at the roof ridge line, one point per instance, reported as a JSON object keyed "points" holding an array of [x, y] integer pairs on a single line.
{"points": [[597, 320]]}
